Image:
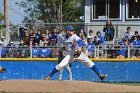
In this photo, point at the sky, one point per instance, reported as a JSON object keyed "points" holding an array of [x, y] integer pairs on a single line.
{"points": [[16, 15]]}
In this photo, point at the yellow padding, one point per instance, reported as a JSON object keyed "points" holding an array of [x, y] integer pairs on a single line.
{"points": [[115, 59], [30, 59], [55, 59]]}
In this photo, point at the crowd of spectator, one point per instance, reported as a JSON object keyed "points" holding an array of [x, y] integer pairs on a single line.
{"points": [[45, 45], [130, 40]]}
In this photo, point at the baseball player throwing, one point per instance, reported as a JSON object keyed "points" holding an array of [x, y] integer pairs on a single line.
{"points": [[74, 44], [62, 53]]}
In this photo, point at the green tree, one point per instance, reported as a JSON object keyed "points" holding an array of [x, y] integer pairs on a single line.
{"points": [[1, 18], [50, 10]]}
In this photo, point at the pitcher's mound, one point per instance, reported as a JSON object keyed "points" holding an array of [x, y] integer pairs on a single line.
{"points": [[65, 86]]}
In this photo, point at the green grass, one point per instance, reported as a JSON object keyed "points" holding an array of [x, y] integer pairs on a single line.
{"points": [[125, 83], [122, 83]]}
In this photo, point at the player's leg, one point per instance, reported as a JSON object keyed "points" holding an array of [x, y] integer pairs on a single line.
{"points": [[60, 58], [68, 68], [85, 60], [63, 63], [60, 74]]}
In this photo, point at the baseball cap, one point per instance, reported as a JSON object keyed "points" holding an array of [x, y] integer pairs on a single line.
{"points": [[70, 28]]}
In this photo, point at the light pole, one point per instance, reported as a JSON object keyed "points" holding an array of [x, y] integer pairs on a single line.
{"points": [[61, 13], [6, 18]]}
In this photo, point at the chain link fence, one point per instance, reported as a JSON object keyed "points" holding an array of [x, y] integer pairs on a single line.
{"points": [[120, 28], [101, 51]]}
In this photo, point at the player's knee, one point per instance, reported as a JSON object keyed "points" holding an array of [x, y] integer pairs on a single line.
{"points": [[58, 67]]}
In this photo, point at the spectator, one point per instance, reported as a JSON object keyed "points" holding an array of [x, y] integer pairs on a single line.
{"points": [[11, 50], [21, 33], [43, 40], [136, 34], [27, 39], [126, 43], [82, 34], [109, 31], [136, 44], [4, 41], [111, 52], [91, 34], [3, 50], [122, 52], [53, 37], [132, 50], [139, 49], [36, 51], [60, 40], [96, 41], [33, 38], [21, 49], [100, 37], [128, 33], [38, 36], [84, 40], [90, 46], [46, 52], [47, 34]]}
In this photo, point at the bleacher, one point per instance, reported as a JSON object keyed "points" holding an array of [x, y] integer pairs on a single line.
{"points": [[100, 51]]}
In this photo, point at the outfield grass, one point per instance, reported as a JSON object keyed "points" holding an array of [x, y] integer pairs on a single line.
{"points": [[125, 83]]}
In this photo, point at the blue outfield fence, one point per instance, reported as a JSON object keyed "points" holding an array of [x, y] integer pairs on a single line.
{"points": [[117, 71]]}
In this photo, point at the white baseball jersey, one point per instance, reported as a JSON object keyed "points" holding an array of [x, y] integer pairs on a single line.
{"points": [[71, 43]]}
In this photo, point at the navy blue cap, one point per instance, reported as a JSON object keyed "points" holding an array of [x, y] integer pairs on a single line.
{"points": [[70, 28], [121, 43]]}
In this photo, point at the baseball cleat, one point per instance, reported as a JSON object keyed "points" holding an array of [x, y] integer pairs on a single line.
{"points": [[102, 76], [47, 78]]}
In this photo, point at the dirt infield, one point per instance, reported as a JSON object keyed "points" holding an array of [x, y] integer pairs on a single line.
{"points": [[62, 86]]}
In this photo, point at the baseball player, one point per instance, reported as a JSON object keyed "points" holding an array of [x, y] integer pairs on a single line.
{"points": [[73, 44], [62, 53]]}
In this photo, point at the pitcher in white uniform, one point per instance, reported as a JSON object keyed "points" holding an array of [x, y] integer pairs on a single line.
{"points": [[72, 44]]}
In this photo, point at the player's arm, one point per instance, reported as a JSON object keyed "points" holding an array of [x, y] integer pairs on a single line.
{"points": [[79, 44]]}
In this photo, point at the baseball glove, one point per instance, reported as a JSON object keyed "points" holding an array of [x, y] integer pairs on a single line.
{"points": [[3, 70], [77, 53]]}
